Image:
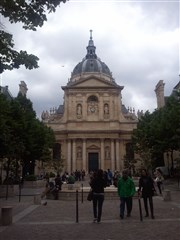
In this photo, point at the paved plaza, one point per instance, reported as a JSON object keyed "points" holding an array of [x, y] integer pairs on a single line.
{"points": [[59, 220]]}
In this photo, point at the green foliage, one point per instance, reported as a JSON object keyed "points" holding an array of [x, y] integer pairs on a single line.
{"points": [[23, 139], [31, 14], [158, 132], [55, 164], [51, 175], [10, 58], [30, 178]]}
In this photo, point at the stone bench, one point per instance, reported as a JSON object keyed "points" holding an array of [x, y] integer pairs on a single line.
{"points": [[6, 215]]}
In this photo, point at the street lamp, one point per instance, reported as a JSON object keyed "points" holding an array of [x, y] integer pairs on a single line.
{"points": [[167, 156]]}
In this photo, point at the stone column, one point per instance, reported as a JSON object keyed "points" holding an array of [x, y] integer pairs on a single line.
{"points": [[122, 153], [74, 155], [69, 167], [102, 154], [84, 105], [111, 107], [112, 155], [117, 155], [101, 108], [84, 167]]}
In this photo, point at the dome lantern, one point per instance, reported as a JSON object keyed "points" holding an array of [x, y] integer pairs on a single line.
{"points": [[91, 64]]}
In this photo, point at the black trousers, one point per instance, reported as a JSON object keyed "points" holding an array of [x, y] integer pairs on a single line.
{"points": [[98, 200], [159, 185], [150, 205]]}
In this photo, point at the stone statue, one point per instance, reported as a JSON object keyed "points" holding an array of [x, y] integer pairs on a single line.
{"points": [[79, 111], [106, 109]]}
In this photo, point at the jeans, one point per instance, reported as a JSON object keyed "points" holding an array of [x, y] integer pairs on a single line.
{"points": [[98, 200], [125, 201]]}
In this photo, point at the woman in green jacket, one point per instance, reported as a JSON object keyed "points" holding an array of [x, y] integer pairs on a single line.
{"points": [[126, 190]]}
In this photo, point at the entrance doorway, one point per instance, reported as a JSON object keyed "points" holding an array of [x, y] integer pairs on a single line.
{"points": [[93, 161]]}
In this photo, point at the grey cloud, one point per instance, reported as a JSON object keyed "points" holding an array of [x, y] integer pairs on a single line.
{"points": [[135, 63]]}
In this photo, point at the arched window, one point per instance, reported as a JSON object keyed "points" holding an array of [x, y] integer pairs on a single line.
{"points": [[92, 98]]}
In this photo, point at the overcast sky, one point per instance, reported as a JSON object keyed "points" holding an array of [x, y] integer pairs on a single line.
{"points": [[138, 40]]}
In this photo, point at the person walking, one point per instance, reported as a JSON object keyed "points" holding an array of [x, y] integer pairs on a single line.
{"points": [[159, 180], [126, 190], [146, 190], [98, 184]]}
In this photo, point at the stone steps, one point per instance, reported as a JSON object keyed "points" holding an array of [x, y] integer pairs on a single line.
{"points": [[70, 195]]}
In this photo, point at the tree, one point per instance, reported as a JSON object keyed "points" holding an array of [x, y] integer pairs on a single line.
{"points": [[23, 139], [142, 139], [56, 162], [11, 144], [32, 14], [159, 132], [38, 139], [10, 58]]}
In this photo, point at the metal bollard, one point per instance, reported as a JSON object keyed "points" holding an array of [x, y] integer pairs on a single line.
{"points": [[82, 193], [77, 207], [140, 209], [19, 192], [6, 214]]}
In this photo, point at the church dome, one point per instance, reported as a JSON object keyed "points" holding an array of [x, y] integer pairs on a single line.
{"points": [[91, 63]]}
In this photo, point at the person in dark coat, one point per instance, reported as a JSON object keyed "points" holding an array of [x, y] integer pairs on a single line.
{"points": [[146, 190], [98, 184], [58, 182]]}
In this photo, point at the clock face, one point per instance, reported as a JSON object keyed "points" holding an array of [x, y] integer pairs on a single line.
{"points": [[92, 107]]}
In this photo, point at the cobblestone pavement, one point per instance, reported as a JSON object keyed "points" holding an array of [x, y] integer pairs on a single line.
{"points": [[58, 220]]}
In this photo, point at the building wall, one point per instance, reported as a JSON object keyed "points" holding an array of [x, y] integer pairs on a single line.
{"points": [[93, 129]]}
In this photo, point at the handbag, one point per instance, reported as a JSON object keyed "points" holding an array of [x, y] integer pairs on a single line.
{"points": [[90, 196]]}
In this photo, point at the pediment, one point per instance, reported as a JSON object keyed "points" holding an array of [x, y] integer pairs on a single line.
{"points": [[93, 147], [93, 81]]}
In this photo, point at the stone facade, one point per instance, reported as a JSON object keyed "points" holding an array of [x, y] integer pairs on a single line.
{"points": [[92, 127]]}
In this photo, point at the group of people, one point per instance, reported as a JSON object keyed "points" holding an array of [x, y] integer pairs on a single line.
{"points": [[126, 190], [78, 175]]}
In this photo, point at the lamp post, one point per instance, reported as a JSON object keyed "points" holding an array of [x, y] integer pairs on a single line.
{"points": [[167, 157]]}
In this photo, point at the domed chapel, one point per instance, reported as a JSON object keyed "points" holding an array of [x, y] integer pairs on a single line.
{"points": [[92, 127]]}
